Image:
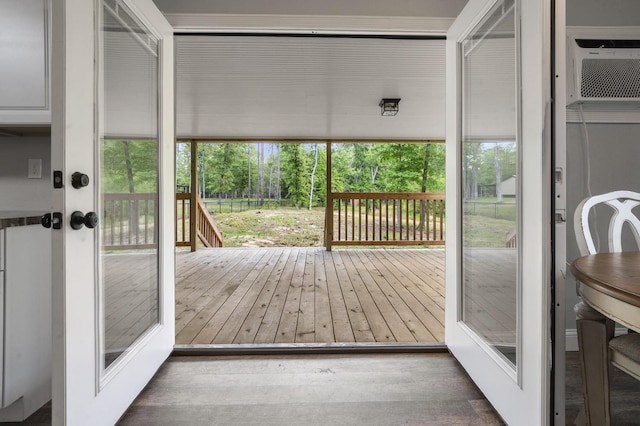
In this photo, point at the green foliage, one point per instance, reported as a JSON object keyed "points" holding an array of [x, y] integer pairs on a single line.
{"points": [[483, 170], [230, 170], [295, 173], [129, 166]]}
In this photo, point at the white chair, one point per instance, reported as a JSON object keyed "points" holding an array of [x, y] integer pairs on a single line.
{"points": [[595, 330], [622, 203]]}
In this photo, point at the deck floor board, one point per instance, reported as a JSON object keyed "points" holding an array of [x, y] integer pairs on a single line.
{"points": [[309, 295]]}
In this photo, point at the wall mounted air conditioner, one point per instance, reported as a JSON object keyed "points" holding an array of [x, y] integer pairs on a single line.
{"points": [[603, 72]]}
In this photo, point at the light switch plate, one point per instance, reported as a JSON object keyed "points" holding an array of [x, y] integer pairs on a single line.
{"points": [[35, 168]]}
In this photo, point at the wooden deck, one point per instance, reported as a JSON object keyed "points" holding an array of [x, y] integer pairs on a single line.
{"points": [[309, 295]]}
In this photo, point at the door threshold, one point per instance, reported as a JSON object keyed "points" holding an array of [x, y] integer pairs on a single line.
{"points": [[307, 348]]}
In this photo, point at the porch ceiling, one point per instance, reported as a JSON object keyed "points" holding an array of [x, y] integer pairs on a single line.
{"points": [[248, 86]]}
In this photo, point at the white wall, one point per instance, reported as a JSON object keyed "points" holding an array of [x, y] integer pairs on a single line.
{"points": [[603, 13], [17, 192]]}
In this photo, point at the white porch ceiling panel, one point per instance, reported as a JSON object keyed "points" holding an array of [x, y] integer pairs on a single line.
{"points": [[308, 87]]}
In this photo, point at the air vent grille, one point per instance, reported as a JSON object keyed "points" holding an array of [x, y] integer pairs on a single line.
{"points": [[610, 78]]}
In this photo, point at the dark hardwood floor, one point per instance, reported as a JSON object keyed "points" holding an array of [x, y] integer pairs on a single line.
{"points": [[391, 389], [625, 394], [398, 389]]}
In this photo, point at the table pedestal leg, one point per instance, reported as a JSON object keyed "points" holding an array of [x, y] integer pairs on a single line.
{"points": [[594, 333]]}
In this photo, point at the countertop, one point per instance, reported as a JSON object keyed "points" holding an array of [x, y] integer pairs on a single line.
{"points": [[10, 218]]}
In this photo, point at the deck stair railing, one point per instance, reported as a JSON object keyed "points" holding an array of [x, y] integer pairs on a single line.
{"points": [[390, 219], [206, 230]]}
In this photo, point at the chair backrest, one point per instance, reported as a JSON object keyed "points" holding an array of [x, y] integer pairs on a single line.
{"points": [[622, 203]]}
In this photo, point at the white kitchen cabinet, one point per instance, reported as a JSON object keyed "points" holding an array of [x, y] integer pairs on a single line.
{"points": [[24, 62], [25, 287]]}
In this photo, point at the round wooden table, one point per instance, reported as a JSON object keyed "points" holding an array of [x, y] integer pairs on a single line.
{"points": [[610, 291], [610, 284]]}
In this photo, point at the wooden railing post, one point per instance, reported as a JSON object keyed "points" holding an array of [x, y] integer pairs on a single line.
{"points": [[328, 215], [193, 200]]}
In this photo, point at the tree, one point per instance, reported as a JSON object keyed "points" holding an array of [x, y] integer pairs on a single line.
{"points": [[295, 170], [313, 174], [472, 162], [129, 166], [260, 190], [183, 165]]}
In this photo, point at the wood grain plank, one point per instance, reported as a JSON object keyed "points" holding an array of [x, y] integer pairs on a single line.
{"points": [[342, 327], [419, 332], [376, 319], [288, 322], [404, 302], [209, 302], [430, 311], [269, 325], [359, 323], [235, 309], [197, 297], [253, 321], [234, 290], [323, 320], [305, 329]]}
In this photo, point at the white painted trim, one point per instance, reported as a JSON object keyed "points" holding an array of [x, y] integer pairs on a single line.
{"points": [[603, 32], [613, 115], [306, 24], [560, 206]]}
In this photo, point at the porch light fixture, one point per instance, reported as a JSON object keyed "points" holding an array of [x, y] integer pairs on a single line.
{"points": [[389, 106]]}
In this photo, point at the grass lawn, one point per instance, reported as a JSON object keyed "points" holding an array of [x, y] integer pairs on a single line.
{"points": [[288, 227], [280, 227]]}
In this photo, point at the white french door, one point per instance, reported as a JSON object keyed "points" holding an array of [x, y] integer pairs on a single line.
{"points": [[498, 320], [113, 262]]}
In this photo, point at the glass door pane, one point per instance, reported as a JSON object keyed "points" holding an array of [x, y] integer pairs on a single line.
{"points": [[490, 189], [129, 159]]}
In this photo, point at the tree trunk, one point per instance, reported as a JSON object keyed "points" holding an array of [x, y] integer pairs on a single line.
{"points": [[498, 167], [260, 192], [133, 205], [374, 173], [127, 160], [313, 176], [278, 187], [248, 176], [474, 183], [423, 185]]}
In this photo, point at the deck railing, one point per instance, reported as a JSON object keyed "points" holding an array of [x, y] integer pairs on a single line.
{"points": [[391, 219], [206, 230], [128, 221]]}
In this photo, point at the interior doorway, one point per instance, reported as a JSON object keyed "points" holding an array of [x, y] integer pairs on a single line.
{"points": [[381, 282]]}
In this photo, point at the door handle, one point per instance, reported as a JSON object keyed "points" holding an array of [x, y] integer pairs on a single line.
{"points": [[45, 220], [79, 180], [79, 219]]}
